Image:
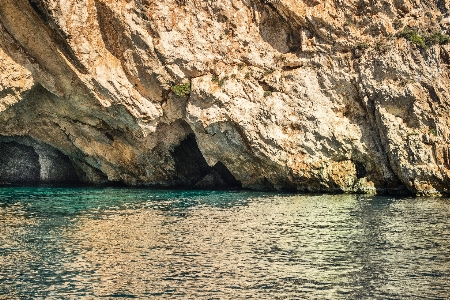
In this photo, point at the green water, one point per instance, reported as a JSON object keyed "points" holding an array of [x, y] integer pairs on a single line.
{"points": [[113, 243]]}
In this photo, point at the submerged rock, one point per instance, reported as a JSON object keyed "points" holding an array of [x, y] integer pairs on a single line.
{"points": [[337, 96]]}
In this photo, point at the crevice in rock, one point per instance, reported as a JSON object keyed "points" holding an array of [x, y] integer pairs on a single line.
{"points": [[432, 92], [265, 86], [444, 56], [55, 31], [442, 7], [112, 31], [24, 161], [190, 165], [276, 30], [290, 68], [392, 181], [192, 170], [90, 174]]}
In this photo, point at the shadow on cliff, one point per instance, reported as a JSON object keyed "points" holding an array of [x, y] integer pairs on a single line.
{"points": [[118, 41], [276, 29]]}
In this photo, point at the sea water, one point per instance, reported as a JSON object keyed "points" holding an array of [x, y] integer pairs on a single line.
{"points": [[117, 243]]}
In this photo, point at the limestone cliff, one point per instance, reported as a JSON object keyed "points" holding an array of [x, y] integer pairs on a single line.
{"points": [[307, 95]]}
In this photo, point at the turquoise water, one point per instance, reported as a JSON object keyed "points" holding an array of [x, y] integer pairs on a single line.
{"points": [[117, 243]]}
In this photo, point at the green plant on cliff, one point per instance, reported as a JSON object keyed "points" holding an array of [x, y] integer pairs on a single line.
{"points": [[437, 38], [267, 93], [182, 89], [362, 46], [433, 131], [413, 36], [220, 81], [214, 78], [424, 41], [418, 40], [268, 71]]}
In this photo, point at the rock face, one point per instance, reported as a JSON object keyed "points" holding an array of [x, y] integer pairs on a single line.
{"points": [[303, 95]]}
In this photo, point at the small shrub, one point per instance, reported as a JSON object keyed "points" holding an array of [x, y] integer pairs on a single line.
{"points": [[406, 81], [279, 58], [412, 133], [182, 89], [348, 20], [437, 38], [418, 40], [267, 93], [433, 131], [248, 75], [413, 36], [222, 81], [216, 79], [362, 46]]}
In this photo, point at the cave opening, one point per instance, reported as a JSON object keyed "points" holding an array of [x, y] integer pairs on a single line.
{"points": [[192, 170], [361, 171], [19, 164], [24, 162]]}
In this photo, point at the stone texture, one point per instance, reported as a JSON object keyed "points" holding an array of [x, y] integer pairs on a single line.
{"points": [[299, 95], [18, 164], [24, 161]]}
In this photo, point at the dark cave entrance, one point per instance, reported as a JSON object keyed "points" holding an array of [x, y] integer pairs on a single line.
{"points": [[194, 172], [18, 164], [24, 161]]}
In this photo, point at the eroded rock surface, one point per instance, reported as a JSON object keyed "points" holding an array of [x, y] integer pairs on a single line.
{"points": [[300, 95]]}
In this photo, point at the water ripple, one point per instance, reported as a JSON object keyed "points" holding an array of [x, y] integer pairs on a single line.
{"points": [[137, 243]]}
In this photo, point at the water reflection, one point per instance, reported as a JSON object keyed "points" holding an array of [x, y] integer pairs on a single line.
{"points": [[124, 243]]}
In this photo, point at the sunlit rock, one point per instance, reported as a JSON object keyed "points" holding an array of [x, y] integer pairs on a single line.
{"points": [[337, 96]]}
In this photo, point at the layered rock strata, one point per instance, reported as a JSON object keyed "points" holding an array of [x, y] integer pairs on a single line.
{"points": [[306, 95]]}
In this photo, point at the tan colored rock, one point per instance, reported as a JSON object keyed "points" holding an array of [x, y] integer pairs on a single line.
{"points": [[300, 95]]}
